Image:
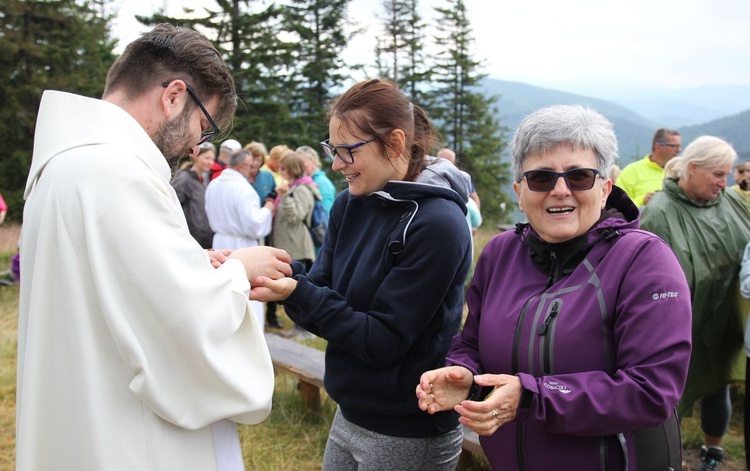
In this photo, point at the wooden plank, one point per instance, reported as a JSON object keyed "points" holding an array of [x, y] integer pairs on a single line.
{"points": [[471, 441], [306, 362]]}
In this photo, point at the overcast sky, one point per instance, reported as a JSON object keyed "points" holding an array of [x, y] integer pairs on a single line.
{"points": [[575, 43]]}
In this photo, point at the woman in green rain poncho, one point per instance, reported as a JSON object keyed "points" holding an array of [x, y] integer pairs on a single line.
{"points": [[708, 228]]}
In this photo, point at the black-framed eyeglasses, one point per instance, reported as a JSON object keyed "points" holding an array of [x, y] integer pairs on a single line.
{"points": [[205, 135], [673, 146], [577, 179], [334, 151]]}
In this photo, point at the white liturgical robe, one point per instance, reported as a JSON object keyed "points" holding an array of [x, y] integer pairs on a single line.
{"points": [[133, 352], [234, 212], [235, 216]]}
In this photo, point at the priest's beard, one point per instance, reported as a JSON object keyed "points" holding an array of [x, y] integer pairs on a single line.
{"points": [[173, 138]]}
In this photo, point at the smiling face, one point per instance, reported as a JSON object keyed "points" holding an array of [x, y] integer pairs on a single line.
{"points": [[256, 162], [371, 169], [705, 183], [560, 214], [202, 162]]}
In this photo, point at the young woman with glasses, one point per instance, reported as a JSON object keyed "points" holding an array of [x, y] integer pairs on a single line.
{"points": [[577, 341], [386, 290]]}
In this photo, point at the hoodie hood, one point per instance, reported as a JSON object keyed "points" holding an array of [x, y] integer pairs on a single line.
{"points": [[101, 123], [440, 179], [675, 190], [443, 173]]}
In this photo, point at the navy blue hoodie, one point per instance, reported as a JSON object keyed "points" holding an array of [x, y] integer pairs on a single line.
{"points": [[387, 292]]}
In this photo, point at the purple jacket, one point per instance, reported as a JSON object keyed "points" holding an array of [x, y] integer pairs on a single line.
{"points": [[598, 331]]}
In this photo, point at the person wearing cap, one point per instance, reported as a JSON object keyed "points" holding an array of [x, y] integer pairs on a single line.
{"points": [[225, 150], [641, 179]]}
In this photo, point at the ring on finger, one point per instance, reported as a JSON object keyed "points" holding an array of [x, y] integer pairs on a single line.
{"points": [[494, 413]]}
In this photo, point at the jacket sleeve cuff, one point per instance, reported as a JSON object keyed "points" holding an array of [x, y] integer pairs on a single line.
{"points": [[529, 395]]}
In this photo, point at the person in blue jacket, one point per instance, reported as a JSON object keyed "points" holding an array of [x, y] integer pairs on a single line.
{"points": [[387, 288]]}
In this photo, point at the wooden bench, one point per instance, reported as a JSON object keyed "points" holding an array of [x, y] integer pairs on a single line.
{"points": [[308, 364]]}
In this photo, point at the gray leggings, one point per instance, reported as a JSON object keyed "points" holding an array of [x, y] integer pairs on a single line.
{"points": [[351, 447]]}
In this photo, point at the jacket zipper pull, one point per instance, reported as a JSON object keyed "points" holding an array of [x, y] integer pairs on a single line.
{"points": [[543, 328]]}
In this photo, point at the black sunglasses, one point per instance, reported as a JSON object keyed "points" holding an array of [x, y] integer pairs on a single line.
{"points": [[205, 135], [347, 157], [577, 179]]}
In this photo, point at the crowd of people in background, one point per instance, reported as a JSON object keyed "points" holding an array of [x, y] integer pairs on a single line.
{"points": [[246, 196]]}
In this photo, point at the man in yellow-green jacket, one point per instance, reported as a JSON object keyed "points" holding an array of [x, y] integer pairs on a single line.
{"points": [[642, 178]]}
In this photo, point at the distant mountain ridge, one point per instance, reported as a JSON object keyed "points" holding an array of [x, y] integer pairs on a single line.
{"points": [[634, 130], [733, 129]]}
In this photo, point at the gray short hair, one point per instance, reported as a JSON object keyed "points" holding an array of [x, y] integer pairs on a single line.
{"points": [[238, 157], [706, 151], [547, 128]]}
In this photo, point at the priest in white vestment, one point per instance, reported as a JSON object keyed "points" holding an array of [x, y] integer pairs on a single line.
{"points": [[134, 352]]}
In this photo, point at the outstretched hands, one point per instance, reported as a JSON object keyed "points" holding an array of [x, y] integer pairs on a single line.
{"points": [[448, 388], [444, 388], [266, 289], [497, 409]]}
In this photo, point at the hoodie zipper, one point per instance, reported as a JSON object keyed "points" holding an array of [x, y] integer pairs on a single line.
{"points": [[547, 334]]}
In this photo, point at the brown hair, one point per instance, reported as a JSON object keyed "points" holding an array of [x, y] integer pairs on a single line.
{"points": [[375, 108], [294, 164], [168, 53], [257, 149], [277, 152]]}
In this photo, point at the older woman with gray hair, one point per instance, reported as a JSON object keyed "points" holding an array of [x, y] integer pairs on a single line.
{"points": [[575, 349], [708, 228]]}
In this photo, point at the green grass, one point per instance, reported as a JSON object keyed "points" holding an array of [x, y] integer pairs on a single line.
{"points": [[8, 347], [291, 437]]}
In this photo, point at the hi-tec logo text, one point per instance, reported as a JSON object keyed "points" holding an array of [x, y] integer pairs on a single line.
{"points": [[668, 294], [555, 386]]}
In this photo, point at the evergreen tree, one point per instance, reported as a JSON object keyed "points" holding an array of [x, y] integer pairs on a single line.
{"points": [[464, 114], [399, 53], [320, 31], [61, 45], [248, 36]]}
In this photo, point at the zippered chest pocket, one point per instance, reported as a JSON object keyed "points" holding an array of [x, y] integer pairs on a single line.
{"points": [[546, 332]]}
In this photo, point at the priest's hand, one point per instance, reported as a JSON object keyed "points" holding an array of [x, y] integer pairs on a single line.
{"points": [[218, 257], [264, 261]]}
